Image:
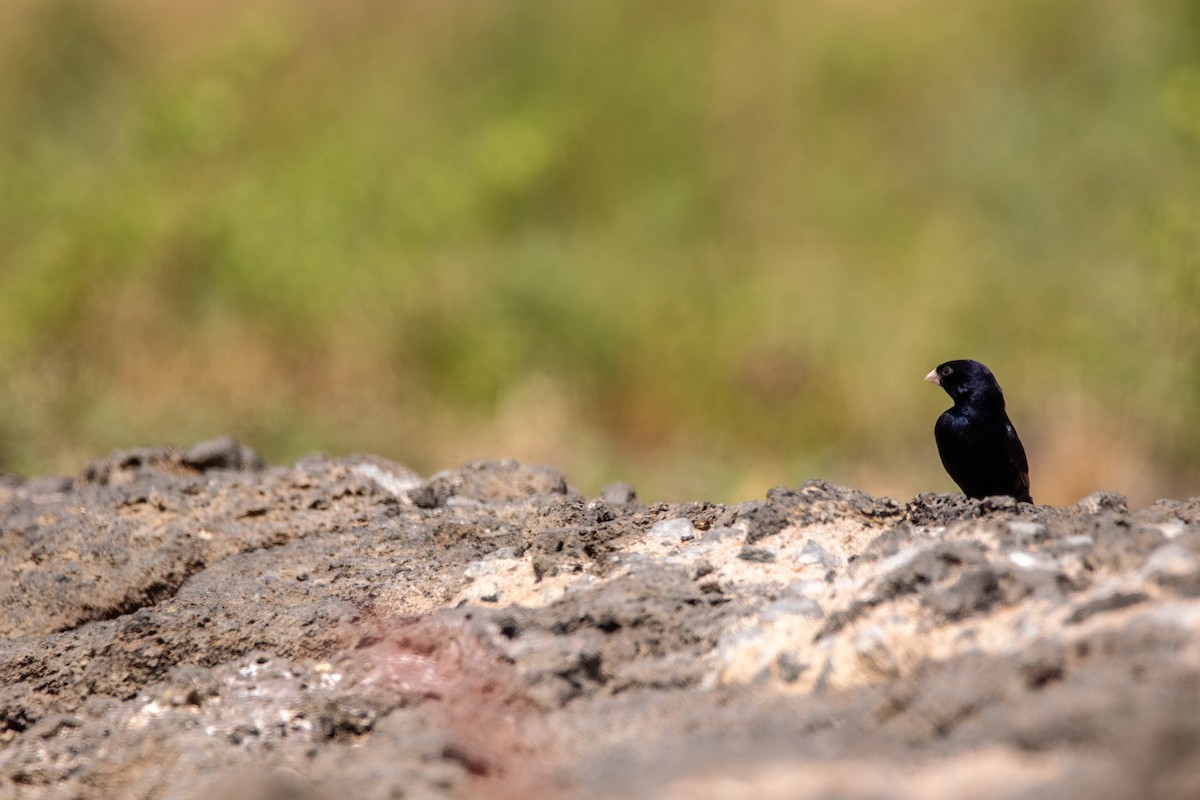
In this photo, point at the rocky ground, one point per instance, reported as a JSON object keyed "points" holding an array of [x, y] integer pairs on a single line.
{"points": [[188, 624]]}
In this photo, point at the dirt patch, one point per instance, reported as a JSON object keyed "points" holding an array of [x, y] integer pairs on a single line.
{"points": [[179, 623]]}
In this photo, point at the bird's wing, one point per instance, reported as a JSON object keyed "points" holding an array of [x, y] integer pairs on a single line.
{"points": [[1016, 453]]}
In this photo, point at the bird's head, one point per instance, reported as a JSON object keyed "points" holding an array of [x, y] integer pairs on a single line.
{"points": [[964, 380]]}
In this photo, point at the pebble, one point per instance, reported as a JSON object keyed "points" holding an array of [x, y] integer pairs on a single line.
{"points": [[487, 591], [678, 528], [618, 494]]}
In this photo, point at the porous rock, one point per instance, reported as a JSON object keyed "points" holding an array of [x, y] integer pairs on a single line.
{"points": [[184, 623]]}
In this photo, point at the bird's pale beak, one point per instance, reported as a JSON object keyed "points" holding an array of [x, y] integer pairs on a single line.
{"points": [[932, 377]]}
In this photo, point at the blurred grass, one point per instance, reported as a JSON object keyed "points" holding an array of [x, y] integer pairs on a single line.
{"points": [[703, 247]]}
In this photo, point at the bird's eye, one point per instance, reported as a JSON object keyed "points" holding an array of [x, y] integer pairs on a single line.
{"points": [[946, 370]]}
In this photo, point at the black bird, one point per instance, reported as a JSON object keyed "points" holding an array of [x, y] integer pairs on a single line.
{"points": [[978, 444]]}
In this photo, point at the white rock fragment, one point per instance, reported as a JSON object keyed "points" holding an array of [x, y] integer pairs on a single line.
{"points": [[1025, 560], [677, 529], [618, 494], [399, 485], [1080, 542], [486, 591]]}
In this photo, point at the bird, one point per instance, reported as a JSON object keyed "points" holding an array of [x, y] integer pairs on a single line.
{"points": [[978, 443]]}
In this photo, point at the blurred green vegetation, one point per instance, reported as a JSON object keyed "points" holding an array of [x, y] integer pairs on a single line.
{"points": [[704, 247]]}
